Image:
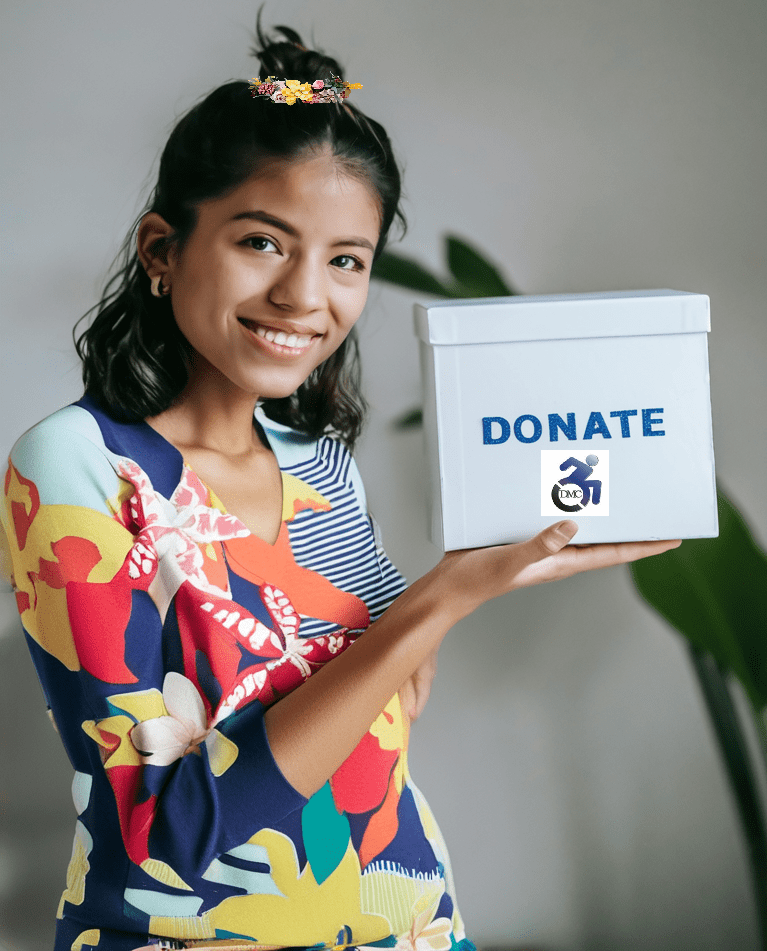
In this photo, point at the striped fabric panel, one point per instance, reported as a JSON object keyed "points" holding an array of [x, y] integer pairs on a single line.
{"points": [[340, 544]]}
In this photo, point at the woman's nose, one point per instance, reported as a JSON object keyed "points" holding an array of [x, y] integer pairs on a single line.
{"points": [[299, 287]]}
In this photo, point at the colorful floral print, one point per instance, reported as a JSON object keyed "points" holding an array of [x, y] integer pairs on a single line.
{"points": [[161, 630]]}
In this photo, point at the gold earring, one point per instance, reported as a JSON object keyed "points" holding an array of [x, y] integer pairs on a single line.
{"points": [[158, 289]]}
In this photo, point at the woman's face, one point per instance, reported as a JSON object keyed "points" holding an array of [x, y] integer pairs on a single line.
{"points": [[275, 274]]}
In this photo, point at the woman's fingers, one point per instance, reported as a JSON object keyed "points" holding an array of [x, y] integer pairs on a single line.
{"points": [[577, 559], [604, 555], [414, 693], [550, 540], [480, 574]]}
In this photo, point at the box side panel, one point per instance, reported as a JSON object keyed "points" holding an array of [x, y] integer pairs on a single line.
{"points": [[713, 530], [452, 438], [431, 444], [642, 400]]}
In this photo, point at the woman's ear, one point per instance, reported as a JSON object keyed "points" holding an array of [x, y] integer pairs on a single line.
{"points": [[152, 246]]}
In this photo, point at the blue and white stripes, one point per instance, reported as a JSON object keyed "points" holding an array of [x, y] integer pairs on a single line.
{"points": [[340, 544]]}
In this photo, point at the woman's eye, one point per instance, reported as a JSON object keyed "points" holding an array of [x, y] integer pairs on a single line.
{"points": [[261, 244], [347, 262]]}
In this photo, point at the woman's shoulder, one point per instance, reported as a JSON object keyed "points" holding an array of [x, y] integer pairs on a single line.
{"points": [[61, 441], [58, 431], [64, 457]]}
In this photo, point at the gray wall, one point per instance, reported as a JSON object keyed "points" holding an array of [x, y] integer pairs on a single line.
{"points": [[587, 145]]}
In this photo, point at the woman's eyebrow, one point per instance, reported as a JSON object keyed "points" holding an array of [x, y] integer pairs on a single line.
{"points": [[268, 219], [354, 242]]}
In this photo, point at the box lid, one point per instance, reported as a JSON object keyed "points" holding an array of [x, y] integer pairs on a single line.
{"points": [[562, 316]]}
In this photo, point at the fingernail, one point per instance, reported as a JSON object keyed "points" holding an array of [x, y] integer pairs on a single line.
{"points": [[566, 529]]}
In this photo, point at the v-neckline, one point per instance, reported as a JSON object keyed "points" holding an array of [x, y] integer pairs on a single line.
{"points": [[212, 494]]}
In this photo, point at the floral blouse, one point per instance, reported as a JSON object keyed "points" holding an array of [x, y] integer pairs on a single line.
{"points": [[161, 630]]}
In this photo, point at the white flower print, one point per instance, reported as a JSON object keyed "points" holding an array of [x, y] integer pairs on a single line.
{"points": [[335, 643], [173, 530], [251, 685], [296, 653], [279, 606], [141, 562], [425, 934], [163, 740]]}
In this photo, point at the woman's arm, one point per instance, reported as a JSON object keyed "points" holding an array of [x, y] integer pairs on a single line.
{"points": [[314, 729]]}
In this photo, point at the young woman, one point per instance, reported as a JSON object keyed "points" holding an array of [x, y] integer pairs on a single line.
{"points": [[194, 563]]}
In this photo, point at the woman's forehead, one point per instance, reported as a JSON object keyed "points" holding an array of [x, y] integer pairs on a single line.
{"points": [[314, 190]]}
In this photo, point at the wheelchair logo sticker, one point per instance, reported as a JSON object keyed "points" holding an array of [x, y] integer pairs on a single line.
{"points": [[574, 484]]}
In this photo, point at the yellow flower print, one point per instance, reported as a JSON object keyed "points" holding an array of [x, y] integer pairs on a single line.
{"points": [[78, 868], [426, 933], [90, 938], [304, 912], [396, 893], [296, 90], [41, 564]]}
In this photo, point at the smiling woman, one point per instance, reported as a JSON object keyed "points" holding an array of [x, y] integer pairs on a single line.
{"points": [[263, 293], [136, 361], [273, 277], [193, 560]]}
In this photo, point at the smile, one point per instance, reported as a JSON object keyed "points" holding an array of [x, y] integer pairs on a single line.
{"points": [[282, 341]]}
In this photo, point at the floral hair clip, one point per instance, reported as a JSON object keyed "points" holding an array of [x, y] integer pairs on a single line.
{"points": [[290, 91]]}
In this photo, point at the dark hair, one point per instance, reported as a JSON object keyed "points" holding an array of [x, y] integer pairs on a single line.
{"points": [[135, 360]]}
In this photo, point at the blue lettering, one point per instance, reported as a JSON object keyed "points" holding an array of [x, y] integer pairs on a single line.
{"points": [[596, 424], [648, 421], [497, 429], [623, 415], [537, 428], [487, 430], [568, 428]]}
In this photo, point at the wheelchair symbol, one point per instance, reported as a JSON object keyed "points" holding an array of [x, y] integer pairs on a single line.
{"points": [[584, 490]]}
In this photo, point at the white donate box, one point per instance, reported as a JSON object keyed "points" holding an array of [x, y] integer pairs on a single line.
{"points": [[593, 407]]}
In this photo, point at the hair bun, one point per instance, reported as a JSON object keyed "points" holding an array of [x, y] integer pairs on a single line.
{"points": [[288, 58]]}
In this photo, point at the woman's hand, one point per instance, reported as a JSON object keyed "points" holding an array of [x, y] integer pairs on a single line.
{"points": [[480, 574], [414, 693], [536, 561]]}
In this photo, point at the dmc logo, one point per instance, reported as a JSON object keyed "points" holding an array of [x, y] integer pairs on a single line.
{"points": [[574, 492], [575, 484]]}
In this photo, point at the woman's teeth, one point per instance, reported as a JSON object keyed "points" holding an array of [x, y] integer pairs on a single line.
{"points": [[295, 341]]}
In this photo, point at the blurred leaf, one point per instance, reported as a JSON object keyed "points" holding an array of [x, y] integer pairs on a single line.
{"points": [[742, 771], [714, 591], [405, 272], [473, 272], [409, 420]]}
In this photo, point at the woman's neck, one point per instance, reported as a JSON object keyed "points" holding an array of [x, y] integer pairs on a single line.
{"points": [[211, 413]]}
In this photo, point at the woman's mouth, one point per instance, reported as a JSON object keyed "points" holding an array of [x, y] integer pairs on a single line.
{"points": [[280, 340]]}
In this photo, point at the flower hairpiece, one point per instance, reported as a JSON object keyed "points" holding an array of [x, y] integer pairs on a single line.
{"points": [[290, 91]]}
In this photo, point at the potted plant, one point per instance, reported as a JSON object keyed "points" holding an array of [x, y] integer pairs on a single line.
{"points": [[712, 590]]}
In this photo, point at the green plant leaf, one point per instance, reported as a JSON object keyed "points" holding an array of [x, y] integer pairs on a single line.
{"points": [[714, 592], [474, 274], [405, 272], [410, 419]]}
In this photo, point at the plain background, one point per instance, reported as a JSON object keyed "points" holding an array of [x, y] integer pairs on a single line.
{"points": [[584, 145]]}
